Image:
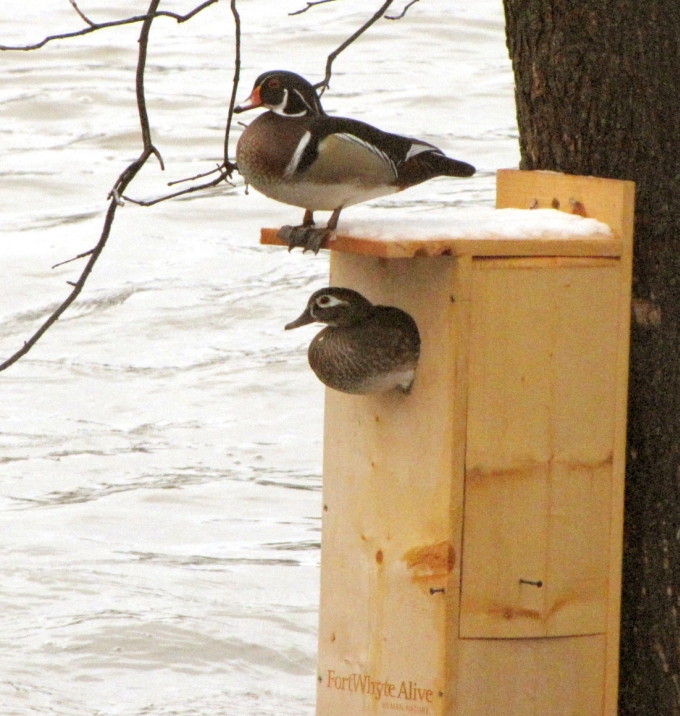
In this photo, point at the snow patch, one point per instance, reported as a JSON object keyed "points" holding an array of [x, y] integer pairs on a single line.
{"points": [[470, 223]]}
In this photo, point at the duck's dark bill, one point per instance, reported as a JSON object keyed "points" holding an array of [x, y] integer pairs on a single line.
{"points": [[302, 320]]}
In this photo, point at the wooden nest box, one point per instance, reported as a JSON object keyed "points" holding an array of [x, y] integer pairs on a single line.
{"points": [[472, 530]]}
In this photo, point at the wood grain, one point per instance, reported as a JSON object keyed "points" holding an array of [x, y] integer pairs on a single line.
{"points": [[490, 246], [392, 512], [532, 677], [541, 398]]}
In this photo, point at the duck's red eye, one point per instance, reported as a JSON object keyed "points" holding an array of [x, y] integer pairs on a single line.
{"points": [[274, 83], [323, 301]]}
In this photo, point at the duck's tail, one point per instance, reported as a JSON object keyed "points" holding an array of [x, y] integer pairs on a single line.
{"points": [[445, 166], [427, 165]]}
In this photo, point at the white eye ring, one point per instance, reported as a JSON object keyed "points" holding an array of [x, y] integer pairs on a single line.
{"points": [[327, 301]]}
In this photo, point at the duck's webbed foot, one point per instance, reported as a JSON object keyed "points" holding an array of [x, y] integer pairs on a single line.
{"points": [[307, 236]]}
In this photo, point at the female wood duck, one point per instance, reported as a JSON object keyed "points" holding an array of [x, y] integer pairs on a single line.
{"points": [[297, 154], [364, 348]]}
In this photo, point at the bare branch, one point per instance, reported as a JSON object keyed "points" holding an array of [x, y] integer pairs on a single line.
{"points": [[309, 5], [93, 27], [76, 33], [225, 174], [81, 14], [189, 15], [237, 74], [226, 168], [114, 197], [403, 12], [218, 167], [75, 258], [323, 85], [139, 84]]}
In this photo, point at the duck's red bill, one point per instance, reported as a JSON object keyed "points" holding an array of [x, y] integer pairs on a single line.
{"points": [[252, 102]]}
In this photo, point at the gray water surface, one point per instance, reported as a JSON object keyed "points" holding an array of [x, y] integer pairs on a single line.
{"points": [[160, 449]]}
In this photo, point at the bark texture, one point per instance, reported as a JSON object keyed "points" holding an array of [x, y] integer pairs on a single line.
{"points": [[598, 93]]}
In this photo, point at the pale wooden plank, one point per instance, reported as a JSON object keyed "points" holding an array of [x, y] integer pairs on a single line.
{"points": [[529, 262], [613, 203], [391, 522], [532, 677], [417, 248], [625, 229], [460, 330], [539, 451]]}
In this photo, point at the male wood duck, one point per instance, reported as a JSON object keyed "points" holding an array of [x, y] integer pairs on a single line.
{"points": [[364, 348], [297, 154]]}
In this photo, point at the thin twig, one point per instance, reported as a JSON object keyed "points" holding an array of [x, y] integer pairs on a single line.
{"points": [[218, 168], [309, 5], [112, 23], [82, 15], [139, 85], [234, 88], [323, 85], [75, 258], [189, 15], [225, 174], [114, 197], [403, 12]]}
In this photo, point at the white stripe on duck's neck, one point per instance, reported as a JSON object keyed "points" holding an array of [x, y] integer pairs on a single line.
{"points": [[280, 108], [312, 110]]}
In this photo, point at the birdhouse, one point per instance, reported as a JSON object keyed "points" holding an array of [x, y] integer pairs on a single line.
{"points": [[472, 529]]}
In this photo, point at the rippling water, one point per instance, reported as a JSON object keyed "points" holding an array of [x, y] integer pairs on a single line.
{"points": [[160, 448]]}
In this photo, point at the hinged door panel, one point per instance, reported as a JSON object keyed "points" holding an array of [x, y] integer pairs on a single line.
{"points": [[542, 371]]}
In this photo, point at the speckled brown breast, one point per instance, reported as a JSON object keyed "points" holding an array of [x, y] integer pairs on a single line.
{"points": [[377, 355], [266, 147]]}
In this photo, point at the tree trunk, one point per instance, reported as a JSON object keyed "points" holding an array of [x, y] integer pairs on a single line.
{"points": [[598, 93]]}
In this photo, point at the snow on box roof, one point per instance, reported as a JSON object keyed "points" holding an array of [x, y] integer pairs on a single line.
{"points": [[478, 222], [480, 231]]}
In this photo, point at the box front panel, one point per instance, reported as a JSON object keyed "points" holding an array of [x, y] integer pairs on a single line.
{"points": [[391, 539], [540, 435], [532, 677]]}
